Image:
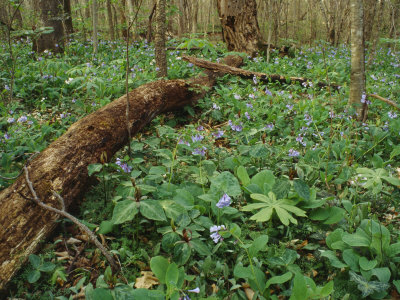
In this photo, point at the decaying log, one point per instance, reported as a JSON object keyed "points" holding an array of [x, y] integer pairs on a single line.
{"points": [[62, 167], [216, 67]]}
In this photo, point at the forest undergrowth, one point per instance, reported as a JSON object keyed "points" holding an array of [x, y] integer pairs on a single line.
{"points": [[258, 191]]}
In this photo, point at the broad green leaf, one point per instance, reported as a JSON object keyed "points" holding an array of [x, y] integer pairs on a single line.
{"points": [[327, 289], [257, 281], [172, 275], [106, 226], [100, 294], [172, 209], [263, 215], [94, 168], [227, 183], [281, 188], [243, 176], [279, 279], [336, 214], [366, 264], [34, 260], [259, 244], [151, 209], [168, 241], [47, 267], [200, 247], [33, 276], [264, 177], [333, 259], [351, 258], [242, 272], [302, 189], [357, 239], [368, 287], [395, 152], [299, 290], [184, 198], [383, 274], [124, 211], [159, 266], [284, 216], [182, 253], [392, 180]]}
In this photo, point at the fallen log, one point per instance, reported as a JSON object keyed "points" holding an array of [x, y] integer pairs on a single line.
{"points": [[62, 167], [216, 67]]}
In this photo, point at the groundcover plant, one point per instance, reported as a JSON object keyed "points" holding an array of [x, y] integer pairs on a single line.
{"points": [[260, 190]]}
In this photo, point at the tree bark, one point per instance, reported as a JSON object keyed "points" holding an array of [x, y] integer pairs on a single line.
{"points": [[159, 39], [62, 167], [240, 26], [110, 20], [51, 16], [68, 17], [357, 75], [95, 17]]}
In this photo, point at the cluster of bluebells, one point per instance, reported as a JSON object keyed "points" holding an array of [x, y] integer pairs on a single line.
{"points": [[236, 127], [123, 166], [200, 151], [215, 236], [186, 297], [392, 115], [294, 153], [218, 134], [224, 201], [364, 99]]}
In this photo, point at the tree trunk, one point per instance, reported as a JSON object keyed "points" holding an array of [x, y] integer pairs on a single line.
{"points": [[110, 20], [240, 26], [357, 76], [95, 17], [62, 167], [149, 35], [159, 40], [68, 17], [51, 16]]}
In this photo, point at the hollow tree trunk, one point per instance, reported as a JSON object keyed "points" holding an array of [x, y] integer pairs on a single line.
{"points": [[240, 27], [62, 167]]}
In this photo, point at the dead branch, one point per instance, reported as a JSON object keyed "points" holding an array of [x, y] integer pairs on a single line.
{"points": [[390, 102]]}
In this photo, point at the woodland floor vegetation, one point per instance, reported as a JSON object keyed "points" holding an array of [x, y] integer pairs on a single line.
{"points": [[258, 190]]}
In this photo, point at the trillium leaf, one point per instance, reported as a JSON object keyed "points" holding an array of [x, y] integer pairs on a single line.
{"points": [[263, 215]]}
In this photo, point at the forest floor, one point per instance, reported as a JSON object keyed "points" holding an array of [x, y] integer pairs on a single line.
{"points": [[259, 190]]}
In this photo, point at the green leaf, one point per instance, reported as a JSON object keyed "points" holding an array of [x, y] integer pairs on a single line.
{"points": [[281, 188], [299, 290], [99, 294], [242, 272], [368, 287], [264, 177], [124, 211], [327, 289], [34, 260], [334, 240], [172, 275], [383, 274], [257, 281], [172, 209], [259, 244], [151, 209], [336, 214], [94, 168], [184, 198], [225, 182], [366, 264], [395, 152], [200, 247], [333, 259], [302, 189], [243, 176], [33, 276], [47, 267], [279, 279], [358, 239], [182, 253], [392, 180], [159, 266], [351, 258], [106, 226]]}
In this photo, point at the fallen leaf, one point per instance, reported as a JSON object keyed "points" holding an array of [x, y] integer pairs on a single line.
{"points": [[249, 293], [146, 281], [73, 241]]}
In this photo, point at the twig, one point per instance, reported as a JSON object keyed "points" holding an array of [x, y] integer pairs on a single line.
{"points": [[20, 172], [67, 215], [390, 102]]}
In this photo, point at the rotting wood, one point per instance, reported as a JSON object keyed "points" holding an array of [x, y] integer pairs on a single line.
{"points": [[62, 166], [216, 67]]}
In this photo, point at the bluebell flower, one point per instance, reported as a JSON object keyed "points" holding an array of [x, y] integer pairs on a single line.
{"points": [[214, 230], [7, 87], [199, 151], [392, 115], [218, 134], [289, 106], [10, 120], [363, 98], [215, 106], [249, 105], [22, 119], [294, 153], [123, 166], [197, 138], [7, 136], [236, 96], [182, 142], [252, 96], [255, 79], [224, 201], [247, 115], [268, 92], [200, 128], [269, 126], [196, 290]]}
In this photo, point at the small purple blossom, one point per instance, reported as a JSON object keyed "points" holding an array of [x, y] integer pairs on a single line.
{"points": [[363, 98], [197, 138], [218, 134], [7, 87], [294, 153], [252, 96], [215, 106], [249, 105], [289, 106], [392, 115], [7, 136], [235, 127], [199, 151], [200, 128], [196, 290], [182, 142], [236, 96], [247, 115], [10, 120], [374, 77], [216, 237], [224, 201], [124, 166], [255, 79], [22, 119], [269, 126], [73, 100], [268, 92]]}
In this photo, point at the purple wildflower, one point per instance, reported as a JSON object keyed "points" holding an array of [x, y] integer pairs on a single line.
{"points": [[269, 126], [196, 290], [197, 138], [268, 92], [247, 115], [124, 166], [255, 79], [22, 119], [216, 237], [249, 105], [252, 96], [392, 115], [289, 106], [215, 106], [199, 151], [10, 120], [224, 201], [7, 87], [182, 142], [7, 136], [236, 96], [294, 153], [218, 134]]}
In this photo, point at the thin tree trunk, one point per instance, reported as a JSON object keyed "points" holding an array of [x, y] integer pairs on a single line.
{"points": [[357, 77], [68, 17], [95, 21], [149, 35], [110, 20], [160, 51]]}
